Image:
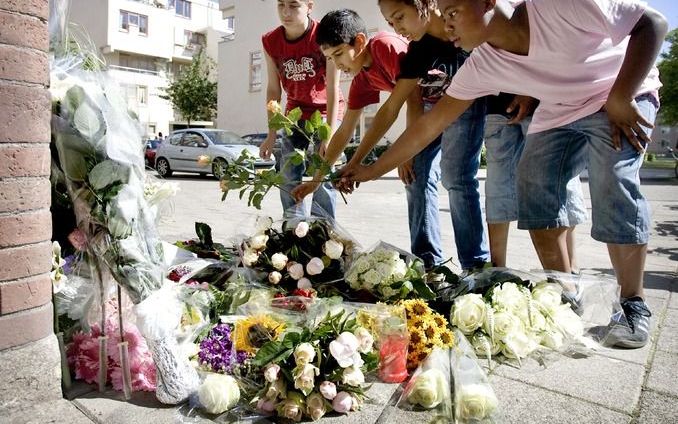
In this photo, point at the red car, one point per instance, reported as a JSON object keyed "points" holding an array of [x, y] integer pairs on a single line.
{"points": [[149, 154]]}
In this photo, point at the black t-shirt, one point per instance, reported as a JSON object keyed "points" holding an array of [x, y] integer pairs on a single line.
{"points": [[434, 62], [496, 105]]}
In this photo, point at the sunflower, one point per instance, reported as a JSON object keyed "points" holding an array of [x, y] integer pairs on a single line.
{"points": [[415, 322], [416, 307], [447, 337], [417, 338], [431, 331], [252, 332], [440, 320]]}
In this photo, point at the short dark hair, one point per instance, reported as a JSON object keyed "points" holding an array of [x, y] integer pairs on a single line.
{"points": [[422, 6], [339, 27]]}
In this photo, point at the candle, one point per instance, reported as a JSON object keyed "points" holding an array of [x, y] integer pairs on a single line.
{"points": [[393, 357]]}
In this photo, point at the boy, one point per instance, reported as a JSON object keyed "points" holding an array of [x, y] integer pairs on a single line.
{"points": [[375, 64], [296, 64], [591, 65]]}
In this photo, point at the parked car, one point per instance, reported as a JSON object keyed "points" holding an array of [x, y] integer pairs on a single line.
{"points": [[149, 153], [184, 147]]}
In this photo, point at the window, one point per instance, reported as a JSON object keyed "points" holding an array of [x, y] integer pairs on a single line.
{"points": [[142, 95], [133, 20], [255, 71], [181, 8], [230, 24], [175, 139], [144, 63], [194, 39], [193, 140]]}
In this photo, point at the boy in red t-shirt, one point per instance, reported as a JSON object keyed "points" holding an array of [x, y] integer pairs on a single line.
{"points": [[375, 64], [297, 66]]}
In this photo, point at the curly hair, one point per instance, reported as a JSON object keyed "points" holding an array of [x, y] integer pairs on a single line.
{"points": [[422, 6]]}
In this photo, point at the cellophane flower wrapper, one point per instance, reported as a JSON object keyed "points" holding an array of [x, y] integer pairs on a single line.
{"points": [[299, 256], [430, 389], [100, 151], [474, 398], [387, 273]]}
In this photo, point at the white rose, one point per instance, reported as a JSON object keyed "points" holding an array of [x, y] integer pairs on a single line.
{"points": [[301, 229], [259, 241], [271, 373], [315, 406], [365, 339], [568, 322], [352, 376], [304, 378], [371, 279], [263, 223], [502, 323], [429, 389], [548, 295], [328, 390], [484, 346], [345, 350], [518, 345], [277, 389], [352, 279], [295, 269], [274, 277], [304, 353], [218, 393], [399, 270], [315, 266], [361, 265], [385, 270], [469, 313], [250, 257], [333, 249], [388, 291], [279, 261], [553, 339], [535, 320], [509, 297], [475, 402], [304, 284]]}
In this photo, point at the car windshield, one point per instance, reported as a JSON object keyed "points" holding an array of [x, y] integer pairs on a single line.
{"points": [[224, 137], [154, 143]]}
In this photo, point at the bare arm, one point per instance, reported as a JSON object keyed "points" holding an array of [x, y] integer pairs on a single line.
{"points": [[385, 117], [416, 137], [342, 136], [644, 45], [273, 86], [415, 107], [333, 90]]}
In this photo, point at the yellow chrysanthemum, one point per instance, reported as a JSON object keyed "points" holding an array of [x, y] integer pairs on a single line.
{"points": [[430, 330], [416, 307], [417, 338], [440, 320], [447, 337], [415, 322], [365, 319], [252, 332]]}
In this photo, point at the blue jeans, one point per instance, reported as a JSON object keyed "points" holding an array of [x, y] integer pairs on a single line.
{"points": [[620, 213], [324, 198], [504, 145], [461, 144], [422, 206]]}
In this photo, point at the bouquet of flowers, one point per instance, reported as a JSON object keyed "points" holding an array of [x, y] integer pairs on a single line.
{"points": [[389, 275], [427, 329], [298, 257], [312, 371]]}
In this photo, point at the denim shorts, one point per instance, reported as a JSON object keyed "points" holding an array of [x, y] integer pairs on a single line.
{"points": [[551, 158], [504, 146]]}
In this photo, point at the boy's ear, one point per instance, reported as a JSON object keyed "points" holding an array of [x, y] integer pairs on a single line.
{"points": [[360, 42], [310, 6], [489, 5]]}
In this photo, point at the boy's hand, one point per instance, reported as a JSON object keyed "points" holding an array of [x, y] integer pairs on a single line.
{"points": [[406, 172], [525, 105], [266, 147], [352, 177], [304, 189], [322, 149], [625, 118]]}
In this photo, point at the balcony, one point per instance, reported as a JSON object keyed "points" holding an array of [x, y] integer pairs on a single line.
{"points": [[134, 70]]}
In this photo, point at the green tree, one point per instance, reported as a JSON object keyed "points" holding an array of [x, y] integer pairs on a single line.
{"points": [[668, 73], [193, 93]]}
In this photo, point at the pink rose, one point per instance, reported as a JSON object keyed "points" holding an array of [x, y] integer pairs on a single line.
{"points": [[342, 403], [328, 390]]}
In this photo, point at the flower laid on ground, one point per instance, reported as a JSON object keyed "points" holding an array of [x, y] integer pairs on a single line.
{"points": [[298, 255], [388, 276], [218, 393], [428, 329], [475, 402], [307, 369], [514, 320], [253, 332], [204, 246], [217, 350], [429, 389]]}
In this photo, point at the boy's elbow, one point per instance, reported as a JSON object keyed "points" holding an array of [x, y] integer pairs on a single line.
{"points": [[658, 22]]}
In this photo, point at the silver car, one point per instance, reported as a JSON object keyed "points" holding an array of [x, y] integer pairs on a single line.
{"points": [[182, 151]]}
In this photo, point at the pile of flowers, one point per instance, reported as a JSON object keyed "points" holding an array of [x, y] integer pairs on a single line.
{"points": [[388, 276], [514, 320], [299, 257], [316, 370], [427, 329], [217, 351]]}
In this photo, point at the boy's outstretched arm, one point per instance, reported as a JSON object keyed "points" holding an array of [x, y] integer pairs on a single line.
{"points": [[333, 77], [273, 92], [646, 40], [415, 108], [415, 138]]}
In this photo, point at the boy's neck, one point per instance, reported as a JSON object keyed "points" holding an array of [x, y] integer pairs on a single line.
{"points": [[295, 32], [510, 32], [436, 26], [366, 56]]}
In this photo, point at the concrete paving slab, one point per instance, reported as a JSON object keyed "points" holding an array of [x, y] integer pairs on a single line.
{"points": [[671, 319], [111, 407], [596, 379], [664, 373], [668, 340], [673, 302], [55, 412], [522, 403], [656, 408]]}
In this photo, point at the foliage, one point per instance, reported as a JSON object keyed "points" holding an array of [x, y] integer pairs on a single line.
{"points": [[668, 73], [193, 93], [205, 247]]}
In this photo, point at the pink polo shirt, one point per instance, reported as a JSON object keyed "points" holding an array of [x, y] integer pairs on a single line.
{"points": [[576, 51]]}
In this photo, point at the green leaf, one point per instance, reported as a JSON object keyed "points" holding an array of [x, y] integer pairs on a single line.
{"points": [[309, 128], [256, 200], [324, 132], [297, 158], [204, 233], [316, 119], [223, 196], [267, 352], [295, 114], [423, 290], [88, 121]]}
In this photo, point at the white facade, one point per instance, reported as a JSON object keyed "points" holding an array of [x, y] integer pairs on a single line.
{"points": [[242, 68], [146, 42]]}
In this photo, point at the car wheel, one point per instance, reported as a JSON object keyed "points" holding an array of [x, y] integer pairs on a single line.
{"points": [[218, 167], [162, 166]]}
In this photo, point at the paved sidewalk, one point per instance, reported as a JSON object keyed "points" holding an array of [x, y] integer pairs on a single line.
{"points": [[615, 386]]}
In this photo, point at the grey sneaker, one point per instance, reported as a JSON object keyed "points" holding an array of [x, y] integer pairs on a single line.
{"points": [[635, 332], [574, 299]]}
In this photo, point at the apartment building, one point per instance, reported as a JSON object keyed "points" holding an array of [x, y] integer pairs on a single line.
{"points": [[242, 67], [145, 43]]}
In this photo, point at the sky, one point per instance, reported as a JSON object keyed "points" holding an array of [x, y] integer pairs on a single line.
{"points": [[668, 8]]}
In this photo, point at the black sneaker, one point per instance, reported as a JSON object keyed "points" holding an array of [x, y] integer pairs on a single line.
{"points": [[633, 332]]}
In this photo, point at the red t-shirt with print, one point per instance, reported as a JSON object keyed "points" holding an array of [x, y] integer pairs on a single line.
{"points": [[387, 50], [301, 68]]}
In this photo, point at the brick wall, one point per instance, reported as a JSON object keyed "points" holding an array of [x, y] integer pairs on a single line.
{"points": [[25, 223]]}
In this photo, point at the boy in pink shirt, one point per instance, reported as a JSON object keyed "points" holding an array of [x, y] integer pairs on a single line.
{"points": [[590, 63]]}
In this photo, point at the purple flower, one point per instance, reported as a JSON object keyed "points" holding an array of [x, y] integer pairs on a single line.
{"points": [[217, 351], [69, 262]]}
